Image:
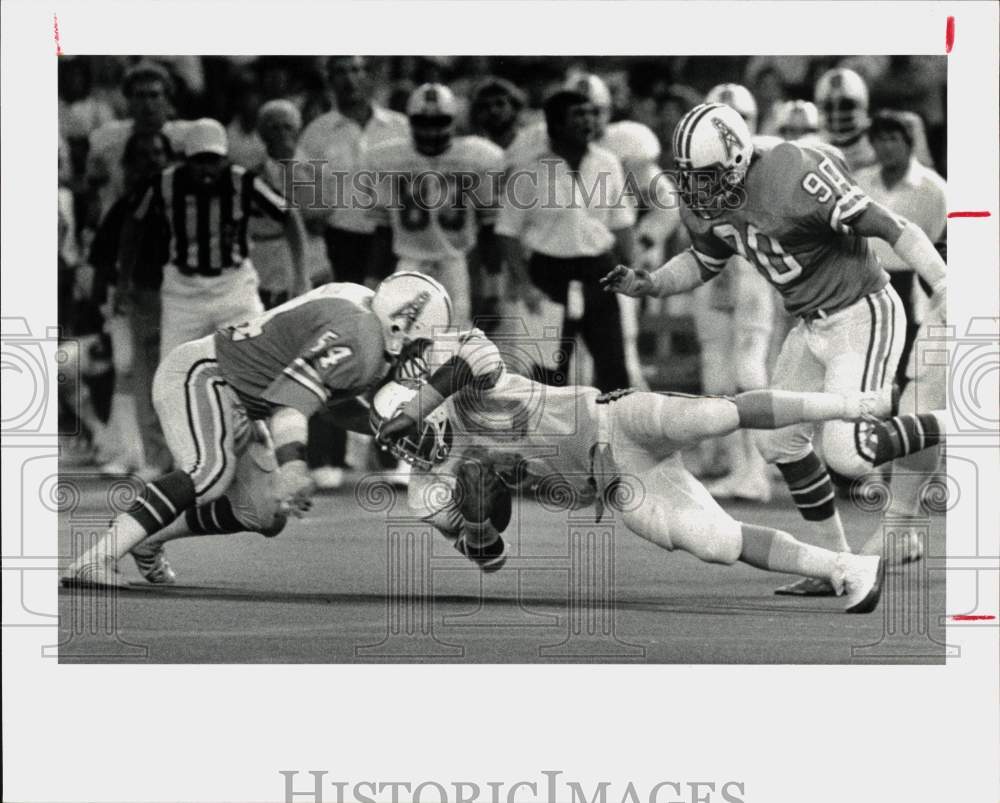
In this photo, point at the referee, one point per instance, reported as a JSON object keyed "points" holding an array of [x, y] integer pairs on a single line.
{"points": [[567, 206], [206, 203]]}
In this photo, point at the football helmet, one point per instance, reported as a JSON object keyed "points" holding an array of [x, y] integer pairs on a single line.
{"points": [[597, 92], [410, 306], [842, 98], [432, 109], [794, 119], [425, 446], [712, 151], [739, 98]]}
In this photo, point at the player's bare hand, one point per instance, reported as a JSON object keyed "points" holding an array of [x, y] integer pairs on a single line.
{"points": [[295, 488], [627, 281]]}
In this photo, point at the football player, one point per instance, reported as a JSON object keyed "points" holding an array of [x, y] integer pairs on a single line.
{"points": [[579, 447], [795, 212], [842, 98], [259, 382], [797, 120], [638, 149], [436, 195], [734, 319]]}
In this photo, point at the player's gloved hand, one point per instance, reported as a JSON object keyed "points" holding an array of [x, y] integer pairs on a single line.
{"points": [[396, 427], [294, 487], [482, 494], [627, 281]]}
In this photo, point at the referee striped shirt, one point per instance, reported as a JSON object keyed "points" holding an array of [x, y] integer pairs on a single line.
{"points": [[208, 225]]}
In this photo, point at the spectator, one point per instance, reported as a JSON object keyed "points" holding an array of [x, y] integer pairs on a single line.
{"points": [[568, 208], [245, 146], [339, 140], [495, 110], [147, 87], [279, 125], [135, 320], [912, 190], [205, 203]]}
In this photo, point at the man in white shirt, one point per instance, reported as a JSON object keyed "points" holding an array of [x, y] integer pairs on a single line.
{"points": [[568, 208], [339, 140], [900, 183], [147, 88]]}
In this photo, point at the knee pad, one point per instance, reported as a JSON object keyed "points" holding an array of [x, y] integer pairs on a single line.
{"points": [[842, 444], [253, 491], [784, 445]]}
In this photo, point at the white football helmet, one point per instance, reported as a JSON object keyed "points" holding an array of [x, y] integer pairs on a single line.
{"points": [[422, 449], [410, 306], [597, 91], [739, 98], [795, 119], [842, 98], [432, 109], [712, 151]]}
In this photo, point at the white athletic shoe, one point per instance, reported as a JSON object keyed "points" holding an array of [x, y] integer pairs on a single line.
{"points": [[153, 565], [861, 577], [95, 573], [328, 478]]}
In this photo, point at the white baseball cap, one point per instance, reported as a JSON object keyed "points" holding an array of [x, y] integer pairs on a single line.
{"points": [[206, 136]]}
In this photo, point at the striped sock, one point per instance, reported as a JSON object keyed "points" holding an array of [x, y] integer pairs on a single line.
{"points": [[777, 551], [161, 501], [906, 434], [812, 490], [215, 518]]}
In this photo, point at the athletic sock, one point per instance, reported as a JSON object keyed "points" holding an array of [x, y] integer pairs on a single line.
{"points": [[777, 551], [906, 434], [812, 490], [214, 518], [156, 507], [774, 409]]}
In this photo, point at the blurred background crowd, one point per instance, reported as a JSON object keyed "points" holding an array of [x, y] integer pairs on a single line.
{"points": [[104, 100]]}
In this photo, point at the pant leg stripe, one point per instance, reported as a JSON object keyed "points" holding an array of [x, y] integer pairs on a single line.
{"points": [[219, 447], [889, 302], [191, 382]]}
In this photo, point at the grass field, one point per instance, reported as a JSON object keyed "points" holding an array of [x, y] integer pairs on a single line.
{"points": [[351, 584]]}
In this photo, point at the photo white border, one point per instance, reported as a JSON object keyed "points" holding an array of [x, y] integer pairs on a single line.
{"points": [[172, 733]]}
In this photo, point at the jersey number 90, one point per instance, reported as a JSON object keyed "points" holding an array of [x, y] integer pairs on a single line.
{"points": [[762, 250]]}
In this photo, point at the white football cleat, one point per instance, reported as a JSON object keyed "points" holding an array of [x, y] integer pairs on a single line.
{"points": [[862, 577], [103, 572], [153, 565]]}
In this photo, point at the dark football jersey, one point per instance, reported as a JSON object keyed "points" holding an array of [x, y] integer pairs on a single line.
{"points": [[792, 227], [324, 346]]}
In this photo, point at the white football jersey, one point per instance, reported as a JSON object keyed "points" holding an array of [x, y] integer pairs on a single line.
{"points": [[549, 430], [421, 198]]}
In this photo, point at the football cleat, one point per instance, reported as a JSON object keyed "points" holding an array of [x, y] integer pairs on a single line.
{"points": [[808, 587], [489, 558], [101, 573], [862, 577], [153, 565]]}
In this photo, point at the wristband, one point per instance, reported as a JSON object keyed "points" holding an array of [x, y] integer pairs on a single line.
{"points": [[296, 450]]}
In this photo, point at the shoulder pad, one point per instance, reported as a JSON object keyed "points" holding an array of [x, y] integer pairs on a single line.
{"points": [[631, 141], [529, 144]]}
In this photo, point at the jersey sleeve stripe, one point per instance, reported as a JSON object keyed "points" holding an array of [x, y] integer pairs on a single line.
{"points": [[270, 201], [709, 263], [307, 377], [847, 208]]}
